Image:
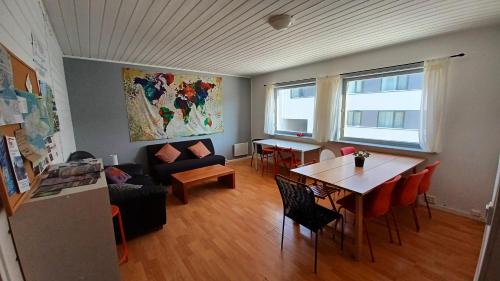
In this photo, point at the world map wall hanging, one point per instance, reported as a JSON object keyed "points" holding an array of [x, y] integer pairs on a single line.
{"points": [[167, 105]]}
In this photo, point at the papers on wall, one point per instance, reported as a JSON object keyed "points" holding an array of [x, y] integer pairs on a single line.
{"points": [[27, 150], [53, 118], [6, 168], [16, 161], [36, 129], [29, 85], [39, 53], [10, 112]]}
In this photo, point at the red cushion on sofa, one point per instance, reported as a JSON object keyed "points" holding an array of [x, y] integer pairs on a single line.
{"points": [[199, 149], [115, 175], [168, 153]]}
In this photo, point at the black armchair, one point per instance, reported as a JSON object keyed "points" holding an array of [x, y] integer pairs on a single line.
{"points": [[79, 155], [299, 205], [143, 209]]}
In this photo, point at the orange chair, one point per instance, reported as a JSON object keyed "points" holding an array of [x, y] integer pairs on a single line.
{"points": [[426, 184], [347, 150], [406, 195], [285, 157], [115, 211], [376, 204]]}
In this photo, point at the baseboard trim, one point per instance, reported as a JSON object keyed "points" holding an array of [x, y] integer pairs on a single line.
{"points": [[453, 211], [239, 159]]}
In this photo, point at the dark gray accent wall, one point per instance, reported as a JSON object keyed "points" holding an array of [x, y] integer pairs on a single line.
{"points": [[99, 114]]}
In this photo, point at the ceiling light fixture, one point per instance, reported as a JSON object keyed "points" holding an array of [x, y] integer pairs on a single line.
{"points": [[280, 22]]}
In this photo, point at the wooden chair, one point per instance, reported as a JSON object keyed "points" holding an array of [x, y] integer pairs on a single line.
{"points": [[376, 204], [321, 190], [425, 184], [347, 150], [406, 195], [299, 205], [285, 157]]}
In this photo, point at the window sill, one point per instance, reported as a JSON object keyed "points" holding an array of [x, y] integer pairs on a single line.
{"points": [[383, 146], [294, 138]]}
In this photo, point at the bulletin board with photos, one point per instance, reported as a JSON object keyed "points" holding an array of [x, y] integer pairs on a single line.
{"points": [[27, 123]]}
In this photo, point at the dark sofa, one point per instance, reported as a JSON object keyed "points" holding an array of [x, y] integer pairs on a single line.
{"points": [[162, 171], [143, 209]]}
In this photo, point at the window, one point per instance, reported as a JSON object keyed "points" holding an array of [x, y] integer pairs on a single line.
{"points": [[388, 101], [391, 119], [354, 118], [295, 109]]}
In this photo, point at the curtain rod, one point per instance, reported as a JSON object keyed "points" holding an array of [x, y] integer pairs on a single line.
{"points": [[374, 69]]}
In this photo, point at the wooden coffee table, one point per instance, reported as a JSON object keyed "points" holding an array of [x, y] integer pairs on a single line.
{"points": [[181, 180]]}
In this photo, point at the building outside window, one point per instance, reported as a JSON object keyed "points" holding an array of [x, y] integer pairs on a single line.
{"points": [[295, 109], [383, 107], [354, 118]]}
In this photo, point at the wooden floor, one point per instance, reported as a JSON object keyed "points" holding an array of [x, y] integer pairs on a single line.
{"points": [[234, 234]]}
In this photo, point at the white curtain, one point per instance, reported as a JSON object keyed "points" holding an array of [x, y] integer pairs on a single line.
{"points": [[327, 109], [433, 104], [270, 111]]}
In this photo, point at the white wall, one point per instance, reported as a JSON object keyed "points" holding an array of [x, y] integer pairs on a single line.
{"points": [[464, 181], [18, 18]]}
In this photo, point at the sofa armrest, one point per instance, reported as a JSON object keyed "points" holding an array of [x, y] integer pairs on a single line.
{"points": [[131, 169]]}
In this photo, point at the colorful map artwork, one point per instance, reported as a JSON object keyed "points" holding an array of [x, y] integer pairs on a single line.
{"points": [[164, 105]]}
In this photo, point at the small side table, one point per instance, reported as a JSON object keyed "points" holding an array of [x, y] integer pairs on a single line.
{"points": [[115, 211]]}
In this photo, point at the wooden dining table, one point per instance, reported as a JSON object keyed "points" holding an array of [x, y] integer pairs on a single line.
{"points": [[342, 173]]}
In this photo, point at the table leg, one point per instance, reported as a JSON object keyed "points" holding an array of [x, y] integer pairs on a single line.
{"points": [[302, 157], [228, 180], [358, 232], [179, 191]]}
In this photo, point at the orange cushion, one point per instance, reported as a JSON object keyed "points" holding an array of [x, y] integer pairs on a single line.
{"points": [[199, 149], [168, 153]]}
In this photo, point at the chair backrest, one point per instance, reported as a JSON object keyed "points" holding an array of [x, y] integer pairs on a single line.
{"points": [[347, 150], [298, 198], [378, 202], [408, 192], [79, 155], [326, 154], [285, 156], [426, 181], [257, 146]]}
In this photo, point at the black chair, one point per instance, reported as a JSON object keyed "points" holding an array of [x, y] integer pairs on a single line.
{"points": [[299, 205], [79, 155], [262, 152]]}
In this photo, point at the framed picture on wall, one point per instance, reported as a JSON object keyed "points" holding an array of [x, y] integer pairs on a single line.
{"points": [[16, 160]]}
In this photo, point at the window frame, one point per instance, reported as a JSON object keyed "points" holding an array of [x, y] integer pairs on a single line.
{"points": [[290, 85], [377, 73]]}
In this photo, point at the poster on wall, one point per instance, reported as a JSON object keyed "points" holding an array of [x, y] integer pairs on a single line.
{"points": [[23, 183], [6, 168], [167, 105], [10, 111], [51, 108], [39, 53]]}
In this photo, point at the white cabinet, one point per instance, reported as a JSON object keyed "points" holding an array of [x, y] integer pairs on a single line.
{"points": [[68, 236]]}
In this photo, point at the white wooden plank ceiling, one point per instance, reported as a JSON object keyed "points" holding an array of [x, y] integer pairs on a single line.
{"points": [[233, 37]]}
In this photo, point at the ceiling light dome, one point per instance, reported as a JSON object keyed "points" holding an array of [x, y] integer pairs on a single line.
{"points": [[280, 22]]}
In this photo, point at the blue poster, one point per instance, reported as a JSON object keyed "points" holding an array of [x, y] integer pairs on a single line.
{"points": [[8, 176]]}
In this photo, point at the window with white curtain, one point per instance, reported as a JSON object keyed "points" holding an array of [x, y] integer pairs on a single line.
{"points": [[383, 106], [295, 108]]}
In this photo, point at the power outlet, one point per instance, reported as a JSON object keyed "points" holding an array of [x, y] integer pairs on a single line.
{"points": [[475, 213], [431, 199]]}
